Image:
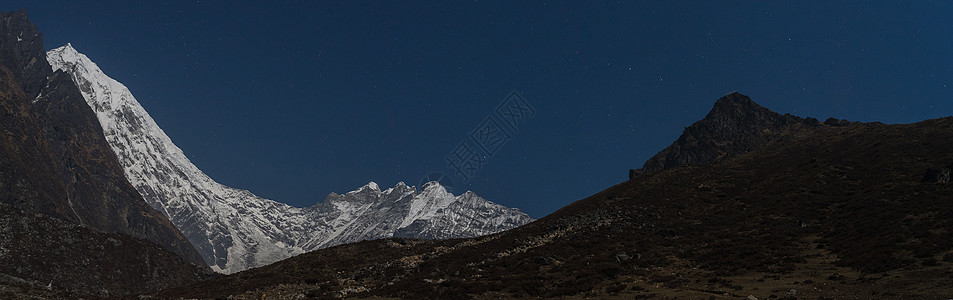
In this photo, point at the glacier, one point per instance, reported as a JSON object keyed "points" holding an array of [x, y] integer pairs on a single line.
{"points": [[233, 229]]}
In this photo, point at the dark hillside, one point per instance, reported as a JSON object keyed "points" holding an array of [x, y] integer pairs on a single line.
{"points": [[46, 257], [827, 210]]}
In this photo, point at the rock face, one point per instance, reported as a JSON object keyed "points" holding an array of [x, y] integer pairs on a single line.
{"points": [[22, 48], [27, 162], [235, 230], [54, 159], [735, 125]]}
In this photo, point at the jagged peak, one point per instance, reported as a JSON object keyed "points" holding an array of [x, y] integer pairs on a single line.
{"points": [[68, 48], [734, 126], [433, 187], [469, 195], [67, 54], [734, 105], [430, 185], [370, 186], [736, 98]]}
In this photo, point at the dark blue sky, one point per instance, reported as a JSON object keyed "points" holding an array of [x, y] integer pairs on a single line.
{"points": [[296, 100]]}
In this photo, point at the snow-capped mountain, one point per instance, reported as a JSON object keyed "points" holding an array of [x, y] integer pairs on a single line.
{"points": [[235, 230], [404, 211]]}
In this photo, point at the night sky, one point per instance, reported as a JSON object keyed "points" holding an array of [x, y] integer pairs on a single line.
{"points": [[294, 101]]}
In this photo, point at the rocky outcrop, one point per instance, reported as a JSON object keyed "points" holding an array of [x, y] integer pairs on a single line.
{"points": [[735, 125]]}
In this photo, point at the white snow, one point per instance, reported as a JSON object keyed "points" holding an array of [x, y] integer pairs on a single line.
{"points": [[234, 229]]}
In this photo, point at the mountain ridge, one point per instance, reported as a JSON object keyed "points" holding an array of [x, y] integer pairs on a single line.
{"points": [[819, 212], [234, 229]]}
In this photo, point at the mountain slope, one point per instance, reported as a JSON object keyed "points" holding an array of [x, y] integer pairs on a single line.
{"points": [[51, 132], [822, 212], [235, 230], [63, 194]]}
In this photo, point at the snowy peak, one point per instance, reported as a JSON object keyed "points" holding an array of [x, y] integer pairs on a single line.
{"points": [[404, 211], [400, 187], [371, 190], [430, 190], [235, 230], [66, 58], [433, 189], [373, 186], [370, 187], [67, 53], [89, 77]]}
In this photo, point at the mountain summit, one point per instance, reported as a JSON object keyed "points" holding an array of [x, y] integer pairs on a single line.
{"points": [[738, 107], [234, 229], [735, 125]]}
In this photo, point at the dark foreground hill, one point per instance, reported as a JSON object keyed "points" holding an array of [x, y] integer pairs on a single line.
{"points": [[46, 257], [817, 210]]}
